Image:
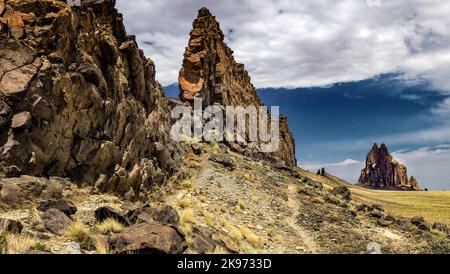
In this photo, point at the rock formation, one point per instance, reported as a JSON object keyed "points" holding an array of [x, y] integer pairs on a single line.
{"points": [[210, 73], [383, 172], [79, 99]]}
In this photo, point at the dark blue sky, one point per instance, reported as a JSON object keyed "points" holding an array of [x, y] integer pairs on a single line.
{"points": [[335, 126]]}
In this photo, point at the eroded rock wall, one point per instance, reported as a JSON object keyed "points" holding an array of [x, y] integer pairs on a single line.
{"points": [[79, 99], [210, 72]]}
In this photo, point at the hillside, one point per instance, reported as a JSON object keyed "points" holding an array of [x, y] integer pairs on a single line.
{"points": [[228, 203]]}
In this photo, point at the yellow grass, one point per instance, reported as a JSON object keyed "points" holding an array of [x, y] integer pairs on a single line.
{"points": [[434, 206], [19, 244], [109, 225], [78, 232]]}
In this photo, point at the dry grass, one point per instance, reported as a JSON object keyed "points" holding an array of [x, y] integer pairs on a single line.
{"points": [[109, 226], [80, 233], [434, 206], [19, 244], [187, 218], [209, 218], [185, 203], [251, 237]]}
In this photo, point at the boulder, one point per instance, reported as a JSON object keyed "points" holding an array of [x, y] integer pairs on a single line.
{"points": [[343, 192], [10, 226], [226, 162], [106, 212], [196, 149], [163, 214], [65, 206], [56, 221], [148, 238], [203, 240], [420, 223], [440, 227]]}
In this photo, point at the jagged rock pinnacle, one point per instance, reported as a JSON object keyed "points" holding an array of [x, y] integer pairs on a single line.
{"points": [[383, 172], [210, 72]]}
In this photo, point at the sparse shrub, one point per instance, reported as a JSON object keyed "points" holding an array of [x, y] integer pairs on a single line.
{"points": [[187, 217], [109, 226], [185, 203], [19, 244], [209, 219], [79, 233], [235, 233], [251, 237]]}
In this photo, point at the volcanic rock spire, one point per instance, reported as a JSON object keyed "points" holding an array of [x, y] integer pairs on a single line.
{"points": [[210, 72], [383, 172]]}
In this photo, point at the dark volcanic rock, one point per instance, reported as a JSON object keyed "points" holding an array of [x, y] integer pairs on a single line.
{"points": [[10, 226], [163, 214], [65, 206], [343, 192], [106, 212], [420, 223], [148, 238], [383, 172], [79, 99], [211, 73], [55, 220]]}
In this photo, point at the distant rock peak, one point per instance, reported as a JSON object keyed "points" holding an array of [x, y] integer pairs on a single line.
{"points": [[383, 172]]}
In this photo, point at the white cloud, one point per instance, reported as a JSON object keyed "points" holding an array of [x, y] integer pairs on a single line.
{"points": [[348, 170], [288, 43]]}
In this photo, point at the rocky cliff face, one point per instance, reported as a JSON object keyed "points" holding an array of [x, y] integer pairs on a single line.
{"points": [[210, 72], [383, 172], [79, 99]]}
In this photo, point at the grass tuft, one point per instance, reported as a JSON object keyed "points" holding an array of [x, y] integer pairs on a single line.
{"points": [[109, 226]]}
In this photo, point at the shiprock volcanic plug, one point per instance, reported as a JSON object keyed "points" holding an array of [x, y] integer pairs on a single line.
{"points": [[383, 172], [87, 165]]}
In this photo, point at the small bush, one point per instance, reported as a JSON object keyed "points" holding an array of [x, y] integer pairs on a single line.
{"points": [[79, 233], [251, 237], [209, 219], [187, 216], [185, 203], [109, 226]]}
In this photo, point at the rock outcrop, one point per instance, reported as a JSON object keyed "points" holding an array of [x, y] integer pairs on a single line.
{"points": [[79, 99], [383, 172], [210, 73]]}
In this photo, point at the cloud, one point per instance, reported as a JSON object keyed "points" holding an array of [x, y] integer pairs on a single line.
{"points": [[348, 170], [429, 165], [288, 43]]}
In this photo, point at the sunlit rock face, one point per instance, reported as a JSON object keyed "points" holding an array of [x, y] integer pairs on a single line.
{"points": [[79, 99], [210, 73]]}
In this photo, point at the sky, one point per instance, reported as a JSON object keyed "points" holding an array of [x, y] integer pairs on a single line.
{"points": [[347, 73]]}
